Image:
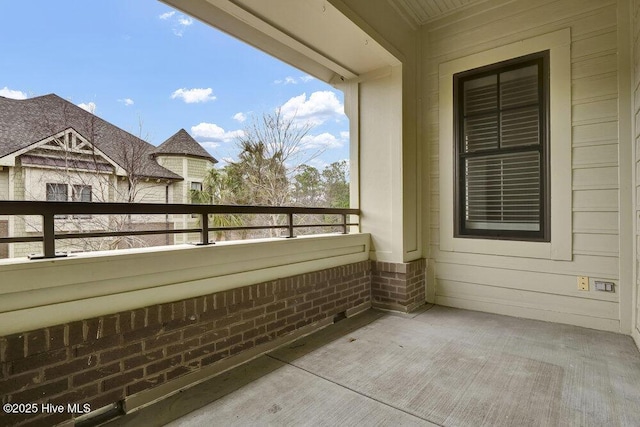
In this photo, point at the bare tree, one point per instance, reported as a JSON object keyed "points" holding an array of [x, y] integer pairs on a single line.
{"points": [[71, 166]]}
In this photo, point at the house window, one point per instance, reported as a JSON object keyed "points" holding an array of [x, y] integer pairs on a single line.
{"points": [[81, 193], [501, 150], [57, 193], [196, 195]]}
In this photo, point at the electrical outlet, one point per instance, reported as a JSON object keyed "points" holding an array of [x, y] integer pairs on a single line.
{"points": [[583, 283]]}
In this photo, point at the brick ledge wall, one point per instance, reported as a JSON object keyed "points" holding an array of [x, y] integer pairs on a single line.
{"points": [[111, 358], [103, 360]]}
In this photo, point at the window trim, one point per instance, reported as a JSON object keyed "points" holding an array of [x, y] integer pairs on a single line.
{"points": [[561, 246], [541, 59], [74, 198]]}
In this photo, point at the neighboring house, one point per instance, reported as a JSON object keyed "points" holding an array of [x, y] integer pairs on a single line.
{"points": [[51, 149]]}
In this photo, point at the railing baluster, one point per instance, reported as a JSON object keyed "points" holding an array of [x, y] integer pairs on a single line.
{"points": [[290, 226], [344, 224], [204, 240], [48, 235]]}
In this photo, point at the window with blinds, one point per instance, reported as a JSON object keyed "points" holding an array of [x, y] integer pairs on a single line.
{"points": [[502, 150]]}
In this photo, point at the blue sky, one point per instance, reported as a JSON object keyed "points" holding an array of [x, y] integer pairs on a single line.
{"points": [[141, 61]]}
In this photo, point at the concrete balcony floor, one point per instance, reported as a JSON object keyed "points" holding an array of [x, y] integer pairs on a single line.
{"points": [[441, 366]]}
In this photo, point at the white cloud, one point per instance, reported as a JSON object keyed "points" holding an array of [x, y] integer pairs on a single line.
{"points": [[210, 145], [293, 81], [13, 94], [241, 117], [317, 109], [344, 135], [89, 106], [191, 96], [126, 101], [179, 23], [322, 141], [214, 133]]}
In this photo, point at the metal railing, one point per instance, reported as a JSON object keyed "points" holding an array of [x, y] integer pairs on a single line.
{"points": [[49, 210]]}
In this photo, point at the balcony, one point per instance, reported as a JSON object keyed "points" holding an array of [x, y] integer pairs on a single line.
{"points": [[439, 366]]}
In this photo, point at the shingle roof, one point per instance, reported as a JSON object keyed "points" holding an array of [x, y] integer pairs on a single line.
{"points": [[27, 121], [183, 144]]}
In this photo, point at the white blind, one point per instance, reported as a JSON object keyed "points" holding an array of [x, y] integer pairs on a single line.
{"points": [[501, 112]]}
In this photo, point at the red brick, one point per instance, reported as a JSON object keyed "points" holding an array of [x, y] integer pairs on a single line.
{"points": [[304, 306], [295, 317], [41, 392], [138, 319], [241, 327], [208, 360], [276, 325], [38, 361], [311, 312], [214, 336], [199, 351], [145, 384], [36, 342], [165, 312], [142, 359], [125, 319], [229, 320], [196, 330], [152, 316], [122, 379], [265, 319], [319, 301], [265, 338], [120, 353], [76, 395], [275, 307], [91, 327], [228, 342], [263, 301], [108, 325], [75, 334], [178, 371], [98, 345], [183, 346], [241, 306], [71, 367], [178, 310], [252, 333], [140, 334], [162, 340], [286, 330], [56, 337], [284, 313], [18, 382], [96, 374], [214, 314], [199, 305], [163, 365], [303, 323], [250, 314], [240, 347]]}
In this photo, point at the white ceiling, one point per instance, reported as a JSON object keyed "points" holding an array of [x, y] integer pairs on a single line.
{"points": [[420, 12]]}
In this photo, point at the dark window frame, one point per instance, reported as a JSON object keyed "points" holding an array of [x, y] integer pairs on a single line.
{"points": [[541, 59], [76, 196], [50, 186]]}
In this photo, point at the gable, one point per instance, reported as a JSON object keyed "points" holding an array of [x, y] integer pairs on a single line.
{"points": [[64, 149]]}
